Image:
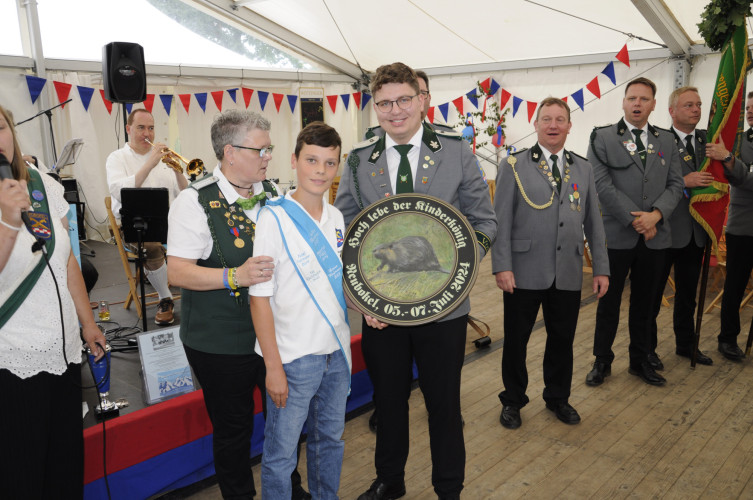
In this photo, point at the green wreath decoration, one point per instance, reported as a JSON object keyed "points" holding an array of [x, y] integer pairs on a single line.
{"points": [[719, 20]]}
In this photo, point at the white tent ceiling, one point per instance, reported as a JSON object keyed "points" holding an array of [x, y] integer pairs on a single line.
{"points": [[452, 37]]}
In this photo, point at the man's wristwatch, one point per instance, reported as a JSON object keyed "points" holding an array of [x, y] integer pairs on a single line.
{"points": [[728, 158]]}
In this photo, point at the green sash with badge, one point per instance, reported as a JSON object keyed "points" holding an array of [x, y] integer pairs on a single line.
{"points": [[42, 224]]}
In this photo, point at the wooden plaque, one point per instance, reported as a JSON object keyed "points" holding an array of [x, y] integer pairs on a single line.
{"points": [[409, 259]]}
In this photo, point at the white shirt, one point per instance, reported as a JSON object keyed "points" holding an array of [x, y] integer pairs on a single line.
{"points": [[31, 340], [300, 329], [393, 157], [643, 134], [188, 234], [121, 167], [682, 135], [548, 154]]}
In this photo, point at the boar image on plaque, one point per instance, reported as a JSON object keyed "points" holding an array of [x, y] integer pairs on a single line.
{"points": [[409, 259]]}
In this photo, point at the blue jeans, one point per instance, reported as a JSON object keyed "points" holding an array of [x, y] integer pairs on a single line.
{"points": [[317, 393]]}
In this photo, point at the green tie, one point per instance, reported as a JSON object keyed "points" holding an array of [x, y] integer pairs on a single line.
{"points": [[638, 142], [248, 204], [404, 182], [556, 172]]}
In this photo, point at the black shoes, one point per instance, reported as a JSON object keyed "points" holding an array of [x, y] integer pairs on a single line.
{"points": [[598, 373], [510, 417], [700, 358], [564, 412], [383, 491], [299, 493], [373, 422], [731, 351], [647, 374], [655, 362]]}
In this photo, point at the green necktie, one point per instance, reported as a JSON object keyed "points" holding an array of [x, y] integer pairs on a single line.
{"points": [[638, 142], [404, 182], [691, 149], [248, 204], [556, 172]]}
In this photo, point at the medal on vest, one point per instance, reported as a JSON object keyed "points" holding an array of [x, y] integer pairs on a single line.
{"points": [[239, 243]]}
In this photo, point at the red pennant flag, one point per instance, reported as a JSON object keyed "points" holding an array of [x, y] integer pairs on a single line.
{"points": [[357, 99], [108, 104], [565, 98], [593, 86], [531, 109], [504, 98], [63, 90], [459, 104], [333, 101], [430, 114], [186, 100], [217, 96], [278, 100], [247, 93], [623, 56], [149, 102], [485, 85]]}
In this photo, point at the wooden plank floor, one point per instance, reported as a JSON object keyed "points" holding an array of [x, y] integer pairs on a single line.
{"points": [[689, 439]]}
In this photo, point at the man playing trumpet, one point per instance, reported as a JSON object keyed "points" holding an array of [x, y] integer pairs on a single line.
{"points": [[139, 164]]}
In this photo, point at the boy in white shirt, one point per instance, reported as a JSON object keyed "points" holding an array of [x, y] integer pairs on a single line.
{"points": [[301, 324]]}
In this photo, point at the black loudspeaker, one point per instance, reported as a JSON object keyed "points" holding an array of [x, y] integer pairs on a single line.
{"points": [[124, 72], [71, 196]]}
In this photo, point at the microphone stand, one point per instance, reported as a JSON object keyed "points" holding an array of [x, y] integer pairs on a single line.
{"points": [[48, 112]]}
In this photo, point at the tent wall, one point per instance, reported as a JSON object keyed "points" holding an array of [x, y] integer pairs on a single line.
{"points": [[188, 133]]}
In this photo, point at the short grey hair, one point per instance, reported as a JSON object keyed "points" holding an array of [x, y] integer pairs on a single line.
{"points": [[232, 125]]}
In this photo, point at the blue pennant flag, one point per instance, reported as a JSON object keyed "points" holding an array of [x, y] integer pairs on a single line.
{"points": [[35, 85], [232, 93], [167, 102], [346, 100], [444, 109], [472, 98], [515, 104], [578, 98], [292, 100], [609, 71], [364, 99], [262, 98], [201, 98], [129, 107], [493, 87], [86, 95]]}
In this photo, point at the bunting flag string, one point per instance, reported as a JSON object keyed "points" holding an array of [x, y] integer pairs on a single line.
{"points": [[490, 87], [129, 107]]}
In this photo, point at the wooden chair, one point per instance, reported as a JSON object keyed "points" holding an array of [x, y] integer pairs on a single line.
{"points": [[126, 257]]}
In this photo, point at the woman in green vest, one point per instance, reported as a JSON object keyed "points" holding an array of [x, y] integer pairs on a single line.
{"points": [[42, 300]]}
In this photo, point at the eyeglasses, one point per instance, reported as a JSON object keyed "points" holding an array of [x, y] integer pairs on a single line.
{"points": [[402, 103], [262, 151]]}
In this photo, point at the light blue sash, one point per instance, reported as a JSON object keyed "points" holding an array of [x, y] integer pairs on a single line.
{"points": [[322, 250]]}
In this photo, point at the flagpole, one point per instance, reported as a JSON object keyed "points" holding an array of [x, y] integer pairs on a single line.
{"points": [[702, 302]]}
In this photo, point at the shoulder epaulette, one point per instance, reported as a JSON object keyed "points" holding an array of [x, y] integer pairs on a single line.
{"points": [[366, 143], [519, 151], [663, 129], [576, 154], [603, 126], [448, 133], [202, 183]]}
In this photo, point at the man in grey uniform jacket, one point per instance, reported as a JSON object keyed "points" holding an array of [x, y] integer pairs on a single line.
{"points": [[545, 201], [412, 157], [739, 234], [637, 173], [688, 237]]}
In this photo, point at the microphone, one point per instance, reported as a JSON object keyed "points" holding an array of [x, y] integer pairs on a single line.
{"points": [[7, 173]]}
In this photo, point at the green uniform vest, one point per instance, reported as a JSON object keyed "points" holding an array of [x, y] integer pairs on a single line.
{"points": [[216, 321]]}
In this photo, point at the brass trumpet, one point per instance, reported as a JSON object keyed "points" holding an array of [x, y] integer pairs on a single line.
{"points": [[194, 168]]}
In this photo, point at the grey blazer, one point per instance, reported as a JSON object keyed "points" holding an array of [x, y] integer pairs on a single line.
{"points": [[740, 215], [625, 186], [541, 245], [682, 223], [447, 169]]}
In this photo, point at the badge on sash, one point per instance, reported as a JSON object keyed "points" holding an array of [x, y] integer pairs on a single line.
{"points": [[41, 226]]}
